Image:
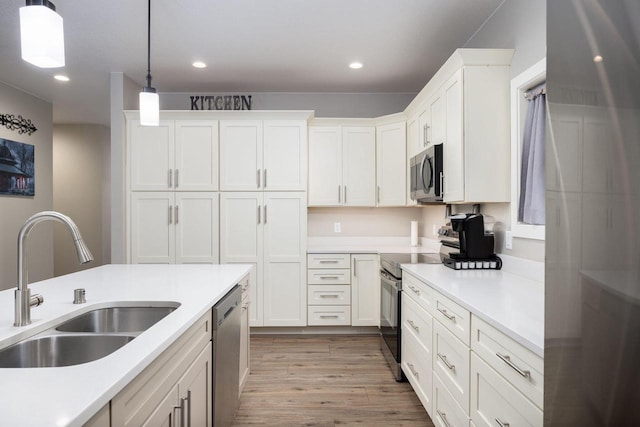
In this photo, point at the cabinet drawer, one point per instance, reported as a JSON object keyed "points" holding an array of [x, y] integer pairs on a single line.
{"points": [[421, 293], [493, 399], [416, 322], [329, 277], [517, 364], [329, 315], [329, 295], [416, 365], [453, 316], [446, 412], [451, 364], [328, 261]]}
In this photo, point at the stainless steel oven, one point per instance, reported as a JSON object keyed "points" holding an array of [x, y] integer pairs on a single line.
{"points": [[391, 304]]}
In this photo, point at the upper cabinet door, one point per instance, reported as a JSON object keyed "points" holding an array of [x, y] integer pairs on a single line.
{"points": [[325, 166], [151, 152], [285, 156], [196, 165], [391, 165], [453, 151], [437, 130], [359, 166], [241, 155]]}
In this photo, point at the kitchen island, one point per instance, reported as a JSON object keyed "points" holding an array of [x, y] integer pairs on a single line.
{"points": [[70, 396]]}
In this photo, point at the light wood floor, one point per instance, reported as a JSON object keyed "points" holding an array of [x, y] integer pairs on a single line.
{"points": [[325, 381]]}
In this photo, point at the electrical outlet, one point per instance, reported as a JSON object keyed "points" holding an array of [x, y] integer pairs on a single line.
{"points": [[435, 230], [336, 227], [508, 240]]}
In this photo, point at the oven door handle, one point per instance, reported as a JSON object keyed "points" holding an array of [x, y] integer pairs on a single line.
{"points": [[384, 276]]}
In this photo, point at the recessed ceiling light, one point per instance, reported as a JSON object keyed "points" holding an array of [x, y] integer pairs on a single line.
{"points": [[597, 58], [355, 65], [199, 64], [61, 78]]}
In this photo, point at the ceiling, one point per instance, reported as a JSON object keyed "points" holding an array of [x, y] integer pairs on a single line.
{"points": [[249, 46]]}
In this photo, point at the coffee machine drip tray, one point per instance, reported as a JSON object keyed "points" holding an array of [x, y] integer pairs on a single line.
{"points": [[492, 263]]}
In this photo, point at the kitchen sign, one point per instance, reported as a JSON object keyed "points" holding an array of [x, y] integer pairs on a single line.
{"points": [[218, 102]]}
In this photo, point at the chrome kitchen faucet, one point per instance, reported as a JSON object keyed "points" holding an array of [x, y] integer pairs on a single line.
{"points": [[23, 298]]}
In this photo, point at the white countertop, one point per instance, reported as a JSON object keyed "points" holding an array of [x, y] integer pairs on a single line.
{"points": [[69, 396], [511, 303]]}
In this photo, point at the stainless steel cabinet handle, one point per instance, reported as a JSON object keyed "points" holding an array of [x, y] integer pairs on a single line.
{"points": [[329, 317], [416, 291], [501, 423], [345, 194], [183, 411], [177, 177], [446, 314], [258, 178], [441, 183], [339, 195], [265, 214], [378, 194], [507, 359], [170, 215], [413, 325], [355, 268], [413, 371], [189, 408], [170, 178], [264, 181], [177, 215], [446, 362], [328, 261], [259, 214], [329, 296], [443, 417], [329, 277]]}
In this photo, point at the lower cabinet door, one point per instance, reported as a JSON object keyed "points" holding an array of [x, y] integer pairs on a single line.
{"points": [[494, 401], [195, 389], [446, 412], [416, 365], [167, 413]]}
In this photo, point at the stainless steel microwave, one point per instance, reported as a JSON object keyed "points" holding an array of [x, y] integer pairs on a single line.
{"points": [[427, 175]]}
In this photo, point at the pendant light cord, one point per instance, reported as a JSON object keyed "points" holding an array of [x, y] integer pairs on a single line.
{"points": [[149, 44]]}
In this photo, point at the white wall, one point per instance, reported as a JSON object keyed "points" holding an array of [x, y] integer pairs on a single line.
{"points": [[382, 222], [15, 210], [521, 25], [80, 170], [324, 104]]}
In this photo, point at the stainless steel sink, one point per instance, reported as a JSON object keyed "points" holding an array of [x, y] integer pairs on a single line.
{"points": [[60, 350], [116, 319]]}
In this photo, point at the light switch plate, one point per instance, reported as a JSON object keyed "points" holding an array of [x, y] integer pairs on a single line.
{"points": [[336, 227], [508, 240]]}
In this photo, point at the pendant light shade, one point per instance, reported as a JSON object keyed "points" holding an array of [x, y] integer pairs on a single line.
{"points": [[149, 99], [41, 34]]}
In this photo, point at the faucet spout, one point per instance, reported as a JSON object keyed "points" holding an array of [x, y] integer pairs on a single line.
{"points": [[23, 299]]}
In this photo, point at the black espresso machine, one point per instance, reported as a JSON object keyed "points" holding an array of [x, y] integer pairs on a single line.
{"points": [[467, 246]]}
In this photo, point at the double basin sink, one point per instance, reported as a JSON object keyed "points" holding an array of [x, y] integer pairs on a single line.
{"points": [[86, 337]]}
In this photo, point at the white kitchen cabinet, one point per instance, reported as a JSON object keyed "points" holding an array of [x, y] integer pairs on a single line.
{"points": [[269, 230], [245, 334], [176, 155], [365, 290], [174, 227], [391, 164], [329, 289], [436, 132], [269, 155], [342, 166], [179, 378], [414, 144], [451, 364]]}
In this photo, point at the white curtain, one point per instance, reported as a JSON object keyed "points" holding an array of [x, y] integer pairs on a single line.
{"points": [[532, 174]]}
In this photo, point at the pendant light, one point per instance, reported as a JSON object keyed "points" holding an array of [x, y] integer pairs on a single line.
{"points": [[41, 34], [149, 100]]}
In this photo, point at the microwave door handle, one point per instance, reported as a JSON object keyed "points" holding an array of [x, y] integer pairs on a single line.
{"points": [[430, 173], [421, 171]]}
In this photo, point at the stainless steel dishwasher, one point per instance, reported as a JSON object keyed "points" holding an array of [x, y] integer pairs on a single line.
{"points": [[226, 357]]}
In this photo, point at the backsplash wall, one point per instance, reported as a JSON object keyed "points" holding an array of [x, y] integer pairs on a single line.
{"points": [[392, 222]]}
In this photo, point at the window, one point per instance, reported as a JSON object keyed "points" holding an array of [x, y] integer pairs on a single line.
{"points": [[529, 79]]}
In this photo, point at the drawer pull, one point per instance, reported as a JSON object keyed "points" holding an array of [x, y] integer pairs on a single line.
{"points": [[413, 371], [329, 317], [415, 291], [413, 325], [443, 417], [329, 296], [446, 362], [501, 423], [329, 277], [328, 261], [447, 315], [507, 360]]}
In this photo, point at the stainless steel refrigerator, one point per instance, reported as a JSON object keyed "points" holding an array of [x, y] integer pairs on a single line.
{"points": [[592, 285]]}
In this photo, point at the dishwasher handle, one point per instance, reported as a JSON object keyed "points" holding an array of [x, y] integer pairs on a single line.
{"points": [[223, 309]]}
